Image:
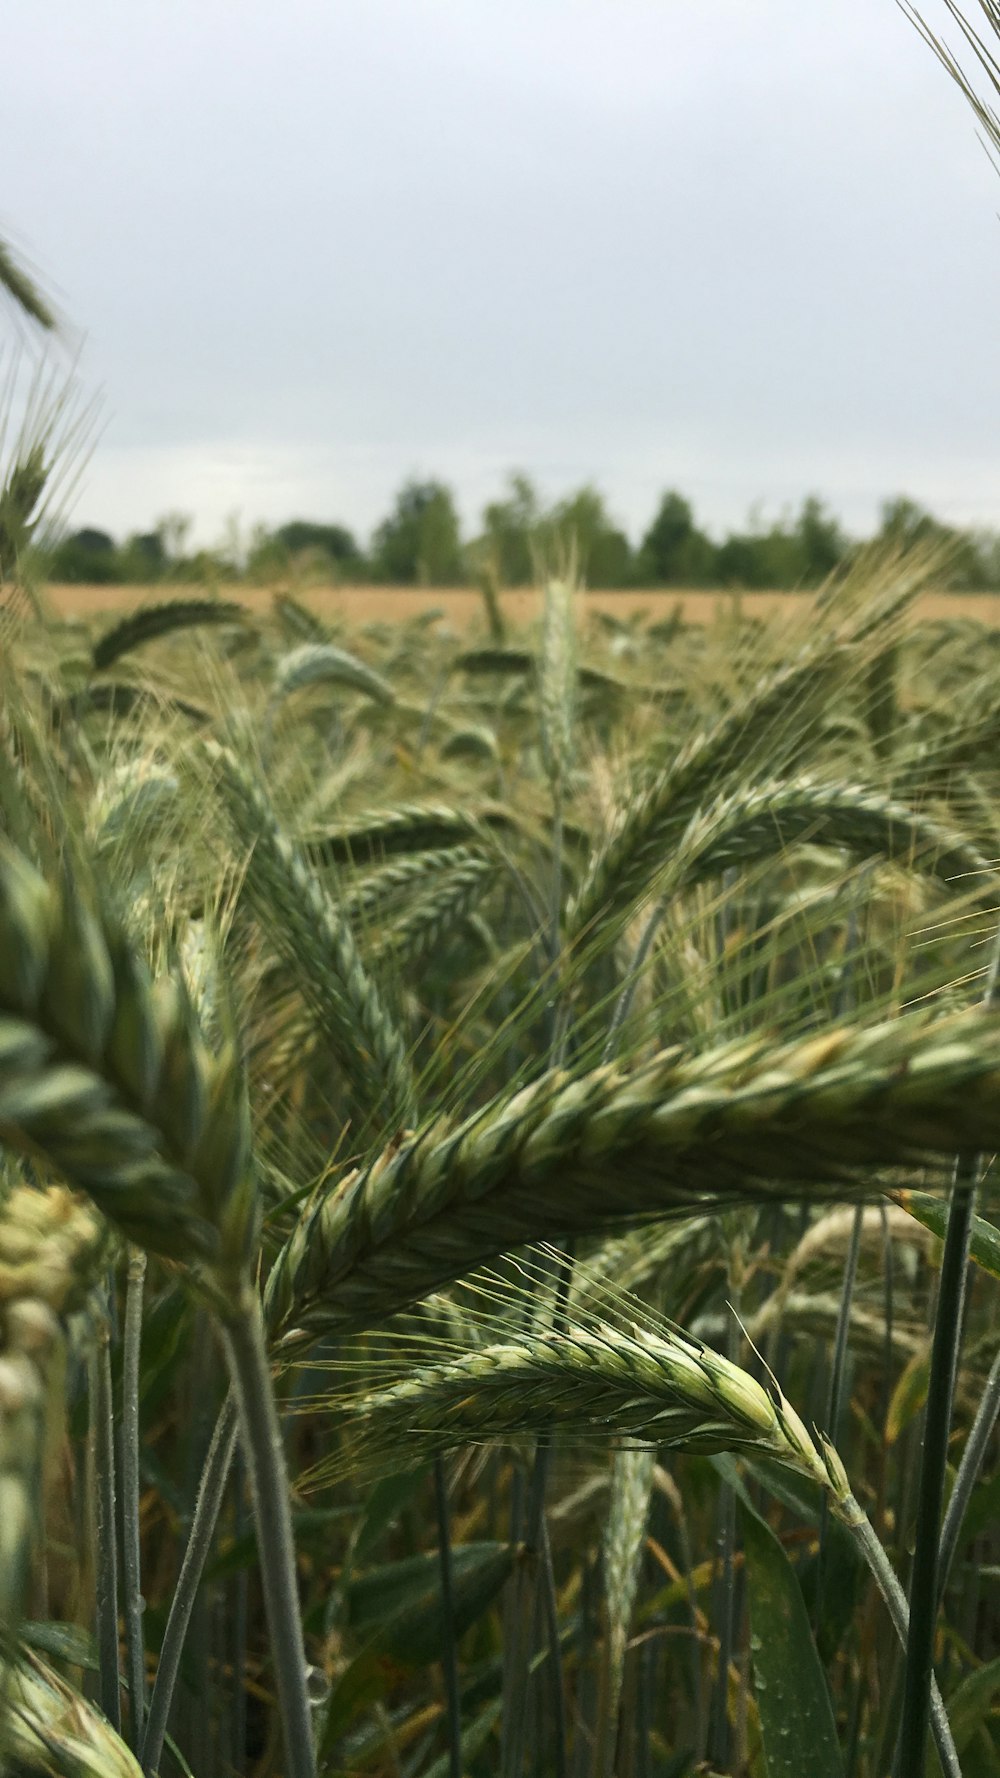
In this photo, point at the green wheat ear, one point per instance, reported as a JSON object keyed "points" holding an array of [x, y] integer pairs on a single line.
{"points": [[106, 1075]]}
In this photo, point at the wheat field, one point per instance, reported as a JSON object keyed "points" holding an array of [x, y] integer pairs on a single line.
{"points": [[462, 607], [498, 1249]]}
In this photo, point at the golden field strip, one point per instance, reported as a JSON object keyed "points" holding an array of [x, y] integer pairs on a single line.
{"points": [[464, 605]]}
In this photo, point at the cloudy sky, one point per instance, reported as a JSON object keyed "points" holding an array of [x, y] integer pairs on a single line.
{"points": [[749, 249]]}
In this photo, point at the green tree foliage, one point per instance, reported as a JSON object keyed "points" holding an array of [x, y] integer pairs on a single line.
{"points": [[821, 540], [419, 543], [331, 549], [512, 532], [674, 552], [905, 523], [86, 558], [581, 524]]}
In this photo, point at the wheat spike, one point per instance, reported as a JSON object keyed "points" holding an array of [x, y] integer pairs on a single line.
{"points": [[622, 869], [303, 924], [676, 1135], [765, 819], [105, 1073], [432, 921], [557, 681], [51, 1249], [50, 1731]]}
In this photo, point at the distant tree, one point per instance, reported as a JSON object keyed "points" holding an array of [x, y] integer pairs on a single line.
{"points": [[674, 552], [906, 524], [581, 523], [761, 559], [88, 557], [822, 542], [511, 533], [331, 549], [144, 557], [419, 543], [334, 541]]}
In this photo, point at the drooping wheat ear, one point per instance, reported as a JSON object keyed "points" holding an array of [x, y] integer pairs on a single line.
{"points": [[488, 582], [628, 1510], [813, 1315], [51, 1249], [22, 289], [412, 827], [367, 899], [117, 699], [677, 1135], [298, 620], [153, 621], [557, 681], [20, 497], [105, 1074], [641, 1257], [640, 1380], [128, 802], [434, 918], [304, 927], [49, 1728], [971, 735], [320, 663], [782, 709], [755, 823]]}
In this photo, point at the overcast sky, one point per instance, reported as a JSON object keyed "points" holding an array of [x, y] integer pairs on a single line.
{"points": [[748, 249]]}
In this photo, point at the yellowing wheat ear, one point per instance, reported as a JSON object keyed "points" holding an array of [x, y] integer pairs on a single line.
{"points": [[51, 1248]]}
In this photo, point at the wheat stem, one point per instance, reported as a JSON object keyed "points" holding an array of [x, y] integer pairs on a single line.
{"points": [[450, 1657], [206, 1513], [911, 1751], [260, 1434], [103, 1435], [131, 1552]]}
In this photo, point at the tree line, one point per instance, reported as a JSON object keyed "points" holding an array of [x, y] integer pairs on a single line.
{"points": [[420, 543]]}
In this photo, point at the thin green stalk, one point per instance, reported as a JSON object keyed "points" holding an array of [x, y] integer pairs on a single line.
{"points": [[911, 1753], [968, 1472], [912, 1746], [240, 1621], [102, 1410], [450, 1658], [623, 1005], [886, 1580], [206, 1513], [560, 1761], [260, 1433], [724, 1613], [132, 1563], [835, 1397]]}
